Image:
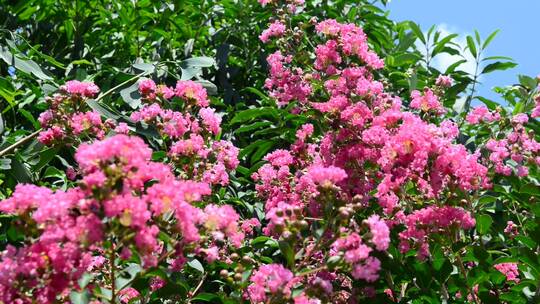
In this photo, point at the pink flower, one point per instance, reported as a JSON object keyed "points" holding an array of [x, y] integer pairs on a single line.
{"points": [[276, 29], [128, 294], [536, 111], [189, 90], [380, 234], [352, 247], [78, 88], [327, 57], [210, 120], [510, 270], [45, 118], [131, 150], [444, 81], [157, 283], [274, 278], [165, 91], [426, 102], [422, 224], [147, 87], [122, 128], [482, 114], [520, 118], [511, 229], [248, 225], [326, 176], [328, 27], [368, 271]]}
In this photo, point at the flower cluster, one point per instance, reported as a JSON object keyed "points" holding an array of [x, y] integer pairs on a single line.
{"points": [[123, 200], [511, 149], [189, 135], [482, 114], [370, 151], [510, 271], [426, 102], [276, 29], [424, 223], [69, 118]]}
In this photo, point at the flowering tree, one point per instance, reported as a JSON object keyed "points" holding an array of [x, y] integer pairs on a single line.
{"points": [[364, 181]]}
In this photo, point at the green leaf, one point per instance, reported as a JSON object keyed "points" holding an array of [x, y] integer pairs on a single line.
{"points": [[417, 31], [527, 82], [127, 275], [45, 157], [5, 163], [195, 264], [489, 39], [20, 172], [144, 67], [454, 65], [101, 110], [131, 95], [287, 252], [249, 114], [498, 58], [489, 103], [498, 66], [206, 297], [199, 62], [459, 105], [253, 126], [531, 189], [262, 150], [483, 223], [472, 46], [477, 36], [79, 297], [25, 65], [30, 118]]}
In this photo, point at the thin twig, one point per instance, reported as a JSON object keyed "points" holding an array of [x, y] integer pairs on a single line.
{"points": [[113, 279], [121, 85], [462, 268], [198, 287], [21, 142], [32, 135], [305, 273]]}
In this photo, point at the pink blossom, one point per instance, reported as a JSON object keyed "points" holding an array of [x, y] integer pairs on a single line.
{"points": [[189, 90], [276, 29], [128, 294], [482, 114], [78, 88], [444, 81], [274, 278], [380, 234], [426, 102], [210, 120], [147, 87], [511, 229], [510, 270], [157, 283], [328, 27], [326, 176]]}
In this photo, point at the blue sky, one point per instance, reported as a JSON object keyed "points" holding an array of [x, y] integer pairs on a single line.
{"points": [[519, 37]]}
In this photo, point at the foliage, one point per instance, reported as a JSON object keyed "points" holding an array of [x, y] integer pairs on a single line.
{"points": [[179, 158]]}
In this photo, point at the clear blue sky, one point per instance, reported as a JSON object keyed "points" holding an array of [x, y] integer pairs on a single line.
{"points": [[518, 21]]}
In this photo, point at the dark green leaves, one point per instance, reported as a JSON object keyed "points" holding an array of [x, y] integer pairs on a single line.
{"points": [[472, 47], [483, 223], [498, 66], [417, 31], [193, 66]]}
